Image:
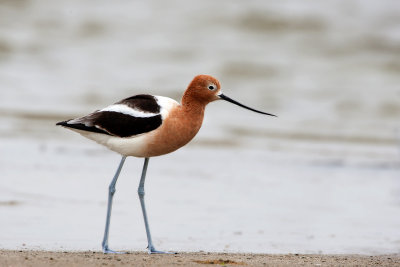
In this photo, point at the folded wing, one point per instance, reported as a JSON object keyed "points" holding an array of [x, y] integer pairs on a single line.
{"points": [[129, 117]]}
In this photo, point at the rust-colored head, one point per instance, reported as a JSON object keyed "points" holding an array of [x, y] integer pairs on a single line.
{"points": [[203, 89]]}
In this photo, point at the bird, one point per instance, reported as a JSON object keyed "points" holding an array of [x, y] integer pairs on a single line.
{"points": [[146, 126]]}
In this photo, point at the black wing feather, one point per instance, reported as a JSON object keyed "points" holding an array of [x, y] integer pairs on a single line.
{"points": [[144, 103], [81, 126], [115, 123]]}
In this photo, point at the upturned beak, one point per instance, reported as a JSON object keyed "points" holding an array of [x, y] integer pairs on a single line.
{"points": [[224, 97]]}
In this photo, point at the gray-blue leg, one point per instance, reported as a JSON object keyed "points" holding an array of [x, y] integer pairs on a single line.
{"points": [[111, 191], [150, 246]]}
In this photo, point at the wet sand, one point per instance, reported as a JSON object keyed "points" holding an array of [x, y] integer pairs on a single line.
{"points": [[90, 258]]}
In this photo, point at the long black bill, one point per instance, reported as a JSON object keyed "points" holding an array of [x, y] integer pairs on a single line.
{"points": [[224, 97]]}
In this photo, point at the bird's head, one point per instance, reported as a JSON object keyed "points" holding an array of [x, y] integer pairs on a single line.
{"points": [[206, 89]]}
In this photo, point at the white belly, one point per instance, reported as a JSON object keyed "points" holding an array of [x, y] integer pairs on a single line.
{"points": [[129, 146]]}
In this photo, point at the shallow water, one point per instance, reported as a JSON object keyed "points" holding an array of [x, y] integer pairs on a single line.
{"points": [[322, 177]]}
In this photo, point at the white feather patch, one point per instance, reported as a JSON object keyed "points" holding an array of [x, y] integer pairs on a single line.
{"points": [[166, 104], [121, 108]]}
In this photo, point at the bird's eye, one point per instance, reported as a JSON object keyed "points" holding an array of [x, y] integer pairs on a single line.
{"points": [[211, 87]]}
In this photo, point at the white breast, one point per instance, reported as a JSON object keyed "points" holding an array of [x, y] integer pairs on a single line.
{"points": [[166, 105]]}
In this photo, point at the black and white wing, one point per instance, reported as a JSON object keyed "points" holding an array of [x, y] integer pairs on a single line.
{"points": [[129, 117]]}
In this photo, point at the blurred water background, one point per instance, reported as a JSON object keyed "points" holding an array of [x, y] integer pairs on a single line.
{"points": [[323, 177]]}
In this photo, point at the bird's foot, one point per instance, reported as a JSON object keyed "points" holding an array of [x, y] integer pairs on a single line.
{"points": [[152, 250], [106, 250]]}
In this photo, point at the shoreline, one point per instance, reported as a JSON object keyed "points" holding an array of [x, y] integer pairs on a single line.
{"points": [[93, 258]]}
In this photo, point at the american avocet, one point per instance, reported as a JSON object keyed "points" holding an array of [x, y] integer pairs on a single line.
{"points": [[148, 126]]}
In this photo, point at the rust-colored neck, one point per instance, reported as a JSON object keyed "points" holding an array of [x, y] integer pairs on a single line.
{"points": [[193, 106]]}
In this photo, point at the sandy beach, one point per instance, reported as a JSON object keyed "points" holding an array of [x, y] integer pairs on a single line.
{"points": [[90, 258]]}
